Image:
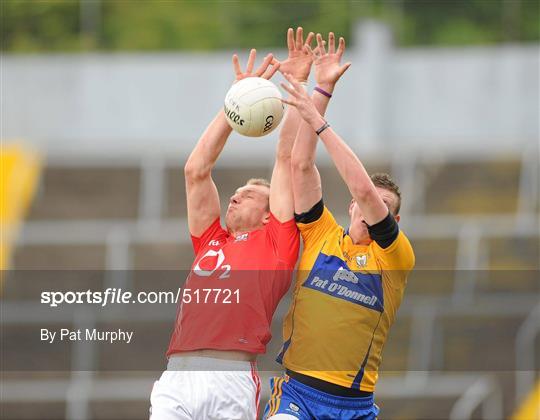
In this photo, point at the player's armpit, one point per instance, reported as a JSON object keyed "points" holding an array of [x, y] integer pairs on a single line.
{"points": [[286, 238], [214, 232], [316, 232]]}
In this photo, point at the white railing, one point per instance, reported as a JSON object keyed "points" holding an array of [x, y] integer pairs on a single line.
{"points": [[484, 392]]}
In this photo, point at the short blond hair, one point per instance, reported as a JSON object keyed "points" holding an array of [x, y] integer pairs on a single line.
{"points": [[258, 181]]}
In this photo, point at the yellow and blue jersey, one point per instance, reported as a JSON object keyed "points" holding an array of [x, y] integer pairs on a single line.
{"points": [[345, 299]]}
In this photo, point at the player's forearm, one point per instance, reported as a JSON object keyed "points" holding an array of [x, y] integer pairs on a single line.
{"points": [[281, 196], [305, 176], [287, 135], [305, 146], [348, 165], [208, 148]]}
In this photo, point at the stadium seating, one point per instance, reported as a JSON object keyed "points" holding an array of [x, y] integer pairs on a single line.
{"points": [[473, 187], [88, 193], [87, 219]]}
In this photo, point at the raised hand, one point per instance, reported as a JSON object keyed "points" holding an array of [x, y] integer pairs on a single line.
{"points": [[302, 102], [266, 70], [300, 59], [328, 69]]}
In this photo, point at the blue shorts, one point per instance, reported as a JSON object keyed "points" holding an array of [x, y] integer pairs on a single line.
{"points": [[289, 396]]}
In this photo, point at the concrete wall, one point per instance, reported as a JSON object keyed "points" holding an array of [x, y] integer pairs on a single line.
{"points": [[466, 100]]}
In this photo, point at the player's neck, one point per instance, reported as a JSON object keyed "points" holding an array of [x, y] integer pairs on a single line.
{"points": [[241, 230], [358, 237]]}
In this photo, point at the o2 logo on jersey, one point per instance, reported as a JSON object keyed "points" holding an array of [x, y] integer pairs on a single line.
{"points": [[219, 258]]}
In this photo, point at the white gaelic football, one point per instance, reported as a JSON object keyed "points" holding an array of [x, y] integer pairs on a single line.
{"points": [[253, 107]]}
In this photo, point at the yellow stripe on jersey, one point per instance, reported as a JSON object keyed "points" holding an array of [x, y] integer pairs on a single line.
{"points": [[345, 299]]}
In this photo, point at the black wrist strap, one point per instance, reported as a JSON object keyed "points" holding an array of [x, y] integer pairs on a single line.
{"points": [[324, 127]]}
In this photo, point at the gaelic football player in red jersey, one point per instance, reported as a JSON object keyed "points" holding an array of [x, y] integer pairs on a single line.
{"points": [[247, 266]]}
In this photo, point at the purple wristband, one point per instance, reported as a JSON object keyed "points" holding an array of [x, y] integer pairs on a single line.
{"points": [[323, 92]]}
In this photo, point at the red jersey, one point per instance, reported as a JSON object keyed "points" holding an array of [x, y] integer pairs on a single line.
{"points": [[247, 275]]}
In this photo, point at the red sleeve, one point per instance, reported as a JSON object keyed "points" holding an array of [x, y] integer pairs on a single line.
{"points": [[286, 239], [213, 232]]}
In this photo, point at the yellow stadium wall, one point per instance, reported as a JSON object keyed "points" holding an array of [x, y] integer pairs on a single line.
{"points": [[20, 168], [530, 409]]}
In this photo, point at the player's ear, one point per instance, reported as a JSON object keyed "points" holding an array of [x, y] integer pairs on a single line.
{"points": [[351, 205], [397, 217], [266, 218]]}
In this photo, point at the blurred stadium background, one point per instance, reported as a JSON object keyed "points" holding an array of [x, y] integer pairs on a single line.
{"points": [[103, 100]]}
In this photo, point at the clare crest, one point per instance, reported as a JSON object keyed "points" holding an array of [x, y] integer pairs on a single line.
{"points": [[361, 260]]}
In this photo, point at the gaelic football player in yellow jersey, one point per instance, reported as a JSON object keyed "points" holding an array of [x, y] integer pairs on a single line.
{"points": [[350, 282]]}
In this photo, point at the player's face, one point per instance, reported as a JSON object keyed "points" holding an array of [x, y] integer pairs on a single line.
{"points": [[248, 208], [357, 218]]}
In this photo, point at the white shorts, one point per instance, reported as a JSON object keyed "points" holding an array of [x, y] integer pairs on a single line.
{"points": [[206, 388]]}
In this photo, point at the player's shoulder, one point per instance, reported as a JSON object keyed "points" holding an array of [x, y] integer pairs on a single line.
{"points": [[275, 223], [399, 253], [401, 241], [334, 237], [402, 236], [318, 217], [214, 236]]}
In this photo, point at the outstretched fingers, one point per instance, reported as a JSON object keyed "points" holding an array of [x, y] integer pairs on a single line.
{"points": [[308, 50], [295, 83], [344, 68], [289, 89], [320, 45], [264, 65], [271, 69], [299, 38], [251, 60], [341, 47], [317, 53], [331, 43], [288, 101], [236, 65], [290, 39], [309, 39]]}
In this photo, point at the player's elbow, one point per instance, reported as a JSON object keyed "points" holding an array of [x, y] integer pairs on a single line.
{"points": [[194, 172], [362, 193], [301, 165]]}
